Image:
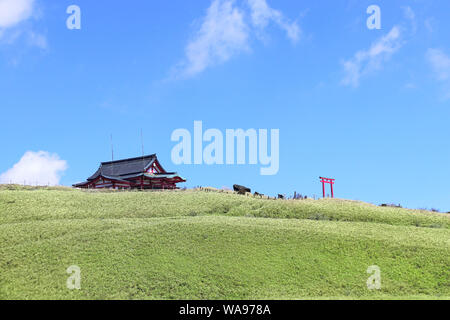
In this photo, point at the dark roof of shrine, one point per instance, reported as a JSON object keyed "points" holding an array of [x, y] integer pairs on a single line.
{"points": [[124, 167]]}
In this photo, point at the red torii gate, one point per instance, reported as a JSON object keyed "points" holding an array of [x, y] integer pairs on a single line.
{"points": [[330, 181]]}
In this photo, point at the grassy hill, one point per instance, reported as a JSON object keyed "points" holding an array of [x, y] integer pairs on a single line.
{"points": [[208, 245]]}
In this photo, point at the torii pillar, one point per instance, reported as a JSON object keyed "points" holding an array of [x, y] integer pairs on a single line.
{"points": [[331, 182]]}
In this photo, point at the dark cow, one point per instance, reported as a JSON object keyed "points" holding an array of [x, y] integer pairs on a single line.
{"points": [[241, 189]]}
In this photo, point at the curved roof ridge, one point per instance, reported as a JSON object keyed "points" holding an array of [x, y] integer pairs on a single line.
{"points": [[130, 159]]}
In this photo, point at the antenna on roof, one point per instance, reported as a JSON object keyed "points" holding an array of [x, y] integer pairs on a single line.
{"points": [[112, 155], [142, 144]]}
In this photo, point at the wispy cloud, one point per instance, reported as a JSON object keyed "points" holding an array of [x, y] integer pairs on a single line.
{"points": [[41, 168], [365, 62], [411, 17], [37, 39], [430, 24], [440, 63], [262, 15], [225, 32], [222, 34], [13, 17]]}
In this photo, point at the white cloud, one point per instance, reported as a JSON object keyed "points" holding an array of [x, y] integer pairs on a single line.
{"points": [[13, 12], [39, 168], [367, 61], [440, 63], [224, 32], [13, 15], [411, 16], [262, 14]]}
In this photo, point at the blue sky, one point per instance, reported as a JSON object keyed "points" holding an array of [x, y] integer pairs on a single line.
{"points": [[369, 108]]}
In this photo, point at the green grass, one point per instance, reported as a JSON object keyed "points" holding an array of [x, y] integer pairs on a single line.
{"points": [[207, 245]]}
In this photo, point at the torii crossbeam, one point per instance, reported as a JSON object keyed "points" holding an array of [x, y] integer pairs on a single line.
{"points": [[330, 181]]}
